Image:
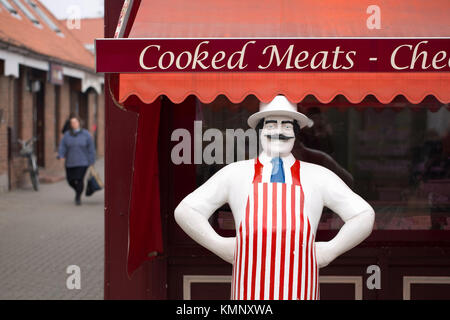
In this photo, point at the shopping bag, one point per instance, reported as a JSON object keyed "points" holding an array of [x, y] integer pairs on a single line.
{"points": [[94, 182]]}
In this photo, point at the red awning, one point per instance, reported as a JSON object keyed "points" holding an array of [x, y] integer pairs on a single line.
{"points": [[273, 19], [252, 18]]}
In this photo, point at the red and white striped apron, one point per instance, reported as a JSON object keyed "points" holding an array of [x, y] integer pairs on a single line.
{"points": [[275, 256]]}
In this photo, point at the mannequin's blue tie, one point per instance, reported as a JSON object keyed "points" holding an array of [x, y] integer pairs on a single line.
{"points": [[277, 170]]}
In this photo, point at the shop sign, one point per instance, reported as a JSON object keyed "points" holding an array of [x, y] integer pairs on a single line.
{"points": [[56, 75], [276, 55]]}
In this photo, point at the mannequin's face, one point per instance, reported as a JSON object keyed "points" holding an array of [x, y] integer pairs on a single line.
{"points": [[277, 136]]}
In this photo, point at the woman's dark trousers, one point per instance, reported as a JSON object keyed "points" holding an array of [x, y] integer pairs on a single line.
{"points": [[75, 178]]}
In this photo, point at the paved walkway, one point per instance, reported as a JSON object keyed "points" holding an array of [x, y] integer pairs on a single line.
{"points": [[41, 234]]}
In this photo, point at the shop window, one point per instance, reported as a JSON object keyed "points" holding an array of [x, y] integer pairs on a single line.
{"points": [[401, 159], [396, 156]]}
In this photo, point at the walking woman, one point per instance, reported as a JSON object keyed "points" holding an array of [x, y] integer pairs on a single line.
{"points": [[78, 150]]}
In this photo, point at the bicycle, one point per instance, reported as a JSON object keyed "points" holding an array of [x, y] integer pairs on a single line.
{"points": [[27, 152]]}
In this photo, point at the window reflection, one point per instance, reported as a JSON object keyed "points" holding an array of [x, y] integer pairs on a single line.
{"points": [[395, 156]]}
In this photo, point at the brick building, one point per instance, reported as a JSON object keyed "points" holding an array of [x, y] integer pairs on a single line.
{"points": [[45, 74]]}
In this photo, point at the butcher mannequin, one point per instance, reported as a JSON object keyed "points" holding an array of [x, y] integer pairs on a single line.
{"points": [[276, 201]]}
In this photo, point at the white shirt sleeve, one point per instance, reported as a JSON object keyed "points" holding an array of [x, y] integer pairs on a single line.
{"points": [[212, 194], [338, 197]]}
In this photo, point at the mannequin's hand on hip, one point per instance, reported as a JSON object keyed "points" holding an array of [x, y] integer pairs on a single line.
{"points": [[227, 249], [324, 254]]}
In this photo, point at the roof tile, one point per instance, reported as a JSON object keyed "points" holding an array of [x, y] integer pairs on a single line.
{"points": [[42, 39]]}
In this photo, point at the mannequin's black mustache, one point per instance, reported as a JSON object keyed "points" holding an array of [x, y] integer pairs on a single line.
{"points": [[278, 136]]}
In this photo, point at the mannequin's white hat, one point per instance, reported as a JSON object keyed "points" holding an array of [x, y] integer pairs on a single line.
{"points": [[279, 106]]}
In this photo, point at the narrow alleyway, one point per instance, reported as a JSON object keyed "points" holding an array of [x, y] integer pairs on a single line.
{"points": [[42, 233]]}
